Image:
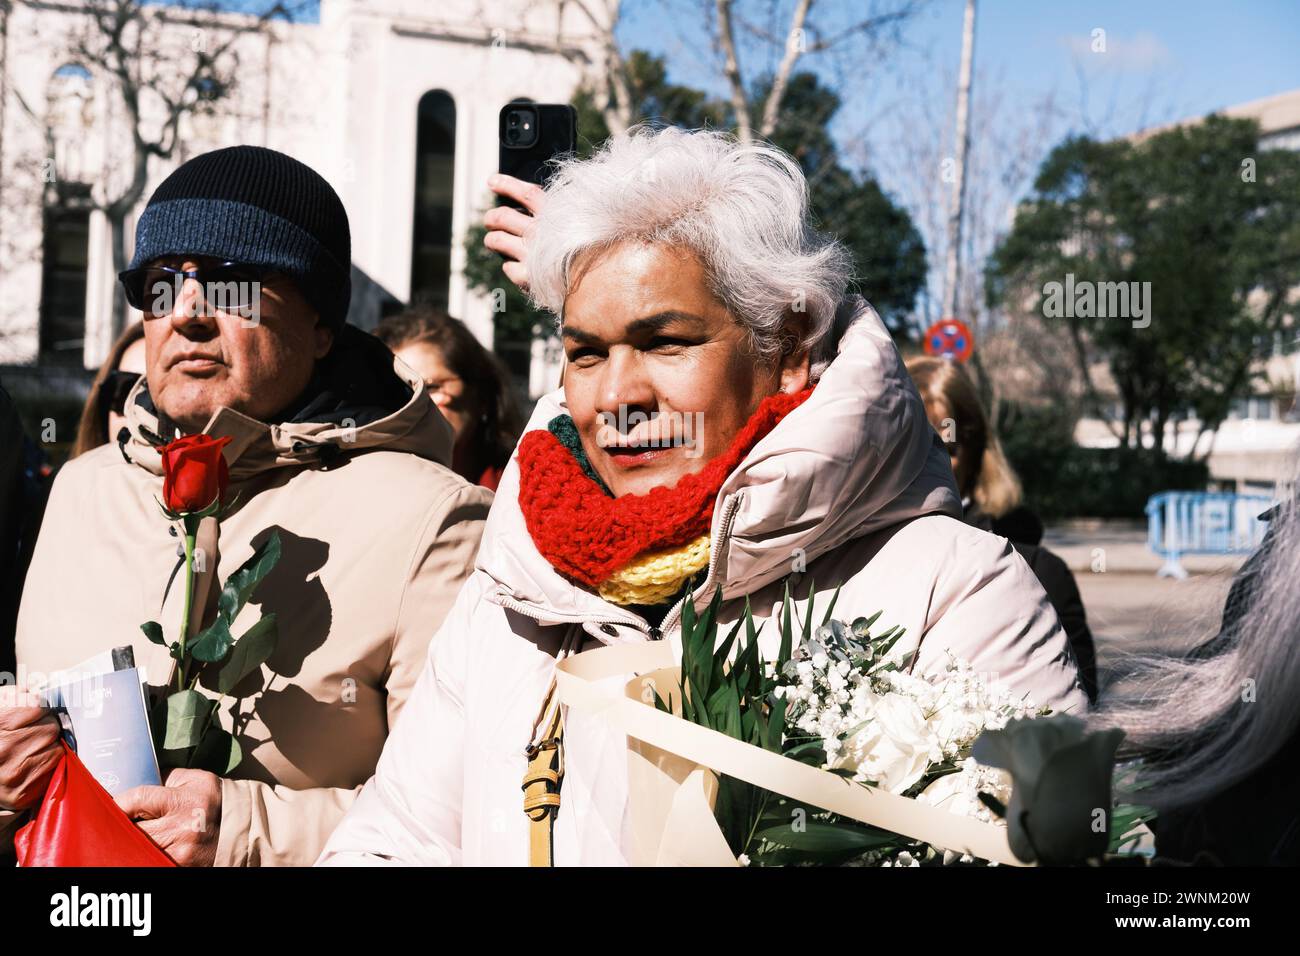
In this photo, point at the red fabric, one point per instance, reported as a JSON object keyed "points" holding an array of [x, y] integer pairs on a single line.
{"points": [[78, 824], [195, 473], [588, 535], [490, 478]]}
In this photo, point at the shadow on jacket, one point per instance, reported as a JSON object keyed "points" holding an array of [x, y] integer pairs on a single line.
{"points": [[1024, 530]]}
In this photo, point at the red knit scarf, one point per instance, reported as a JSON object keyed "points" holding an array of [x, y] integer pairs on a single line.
{"points": [[588, 536]]}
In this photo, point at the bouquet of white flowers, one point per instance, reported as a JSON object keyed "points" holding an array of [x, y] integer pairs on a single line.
{"points": [[834, 753]]}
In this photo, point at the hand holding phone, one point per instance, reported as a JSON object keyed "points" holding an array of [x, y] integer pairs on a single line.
{"points": [[531, 136], [508, 226]]}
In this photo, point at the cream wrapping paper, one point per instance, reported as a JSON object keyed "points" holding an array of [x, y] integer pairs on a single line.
{"points": [[671, 766]]}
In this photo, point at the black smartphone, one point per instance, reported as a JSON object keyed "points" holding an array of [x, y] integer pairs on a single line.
{"points": [[531, 135]]}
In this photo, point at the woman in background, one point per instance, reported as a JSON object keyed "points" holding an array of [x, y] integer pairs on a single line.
{"points": [[102, 417], [468, 385], [991, 495]]}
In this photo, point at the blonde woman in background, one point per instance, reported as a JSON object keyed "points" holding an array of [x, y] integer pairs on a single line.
{"points": [[103, 415], [991, 495]]}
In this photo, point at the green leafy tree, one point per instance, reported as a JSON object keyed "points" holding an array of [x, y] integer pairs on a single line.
{"points": [[1201, 213]]}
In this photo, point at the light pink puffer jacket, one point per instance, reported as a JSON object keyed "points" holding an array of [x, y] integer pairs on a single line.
{"points": [[854, 485]]}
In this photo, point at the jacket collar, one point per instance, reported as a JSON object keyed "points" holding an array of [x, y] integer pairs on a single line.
{"points": [[362, 399], [857, 457]]}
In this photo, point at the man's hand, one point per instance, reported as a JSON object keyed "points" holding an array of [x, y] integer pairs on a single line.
{"points": [[509, 227], [29, 748], [182, 816]]}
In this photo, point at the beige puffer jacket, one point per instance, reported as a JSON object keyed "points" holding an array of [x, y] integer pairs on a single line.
{"points": [[377, 534], [854, 484]]}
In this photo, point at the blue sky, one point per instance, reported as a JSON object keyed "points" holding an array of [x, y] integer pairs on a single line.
{"points": [[1181, 57], [1036, 79]]}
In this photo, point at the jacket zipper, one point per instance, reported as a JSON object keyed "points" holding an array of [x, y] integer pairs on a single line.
{"points": [[728, 515], [536, 612]]}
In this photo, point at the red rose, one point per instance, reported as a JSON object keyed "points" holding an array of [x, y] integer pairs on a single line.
{"points": [[194, 472]]}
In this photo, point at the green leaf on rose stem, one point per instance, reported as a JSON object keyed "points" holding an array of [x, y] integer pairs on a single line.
{"points": [[167, 512], [250, 652], [153, 630], [213, 507], [187, 714], [212, 644], [218, 752], [228, 506], [240, 585]]}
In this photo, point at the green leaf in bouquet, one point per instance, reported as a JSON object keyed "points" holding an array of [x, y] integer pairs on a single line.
{"points": [[749, 664], [776, 725], [1124, 819], [811, 750], [153, 630], [724, 711], [719, 671], [187, 714], [826, 619], [808, 624], [218, 752], [250, 652], [861, 626], [787, 636], [239, 587], [213, 642], [882, 646], [813, 836]]}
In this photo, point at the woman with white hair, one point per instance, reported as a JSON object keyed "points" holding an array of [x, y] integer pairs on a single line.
{"points": [[728, 419]]}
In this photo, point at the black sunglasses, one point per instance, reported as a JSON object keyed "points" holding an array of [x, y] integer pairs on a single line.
{"points": [[114, 390], [228, 286]]}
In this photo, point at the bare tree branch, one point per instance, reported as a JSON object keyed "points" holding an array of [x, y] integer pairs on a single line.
{"points": [[794, 45], [731, 70]]}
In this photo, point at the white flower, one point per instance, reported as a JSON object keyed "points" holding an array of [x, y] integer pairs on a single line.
{"points": [[959, 792], [894, 748]]}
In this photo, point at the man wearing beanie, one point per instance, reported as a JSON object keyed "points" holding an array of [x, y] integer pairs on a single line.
{"points": [[241, 270]]}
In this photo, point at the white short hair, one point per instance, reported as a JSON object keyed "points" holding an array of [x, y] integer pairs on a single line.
{"points": [[742, 209]]}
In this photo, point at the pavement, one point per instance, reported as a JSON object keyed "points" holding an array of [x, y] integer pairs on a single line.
{"points": [[1129, 608]]}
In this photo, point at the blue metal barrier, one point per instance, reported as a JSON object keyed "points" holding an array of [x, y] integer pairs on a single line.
{"points": [[1200, 522]]}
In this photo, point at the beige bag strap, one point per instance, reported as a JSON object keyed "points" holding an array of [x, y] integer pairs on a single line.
{"points": [[545, 771]]}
